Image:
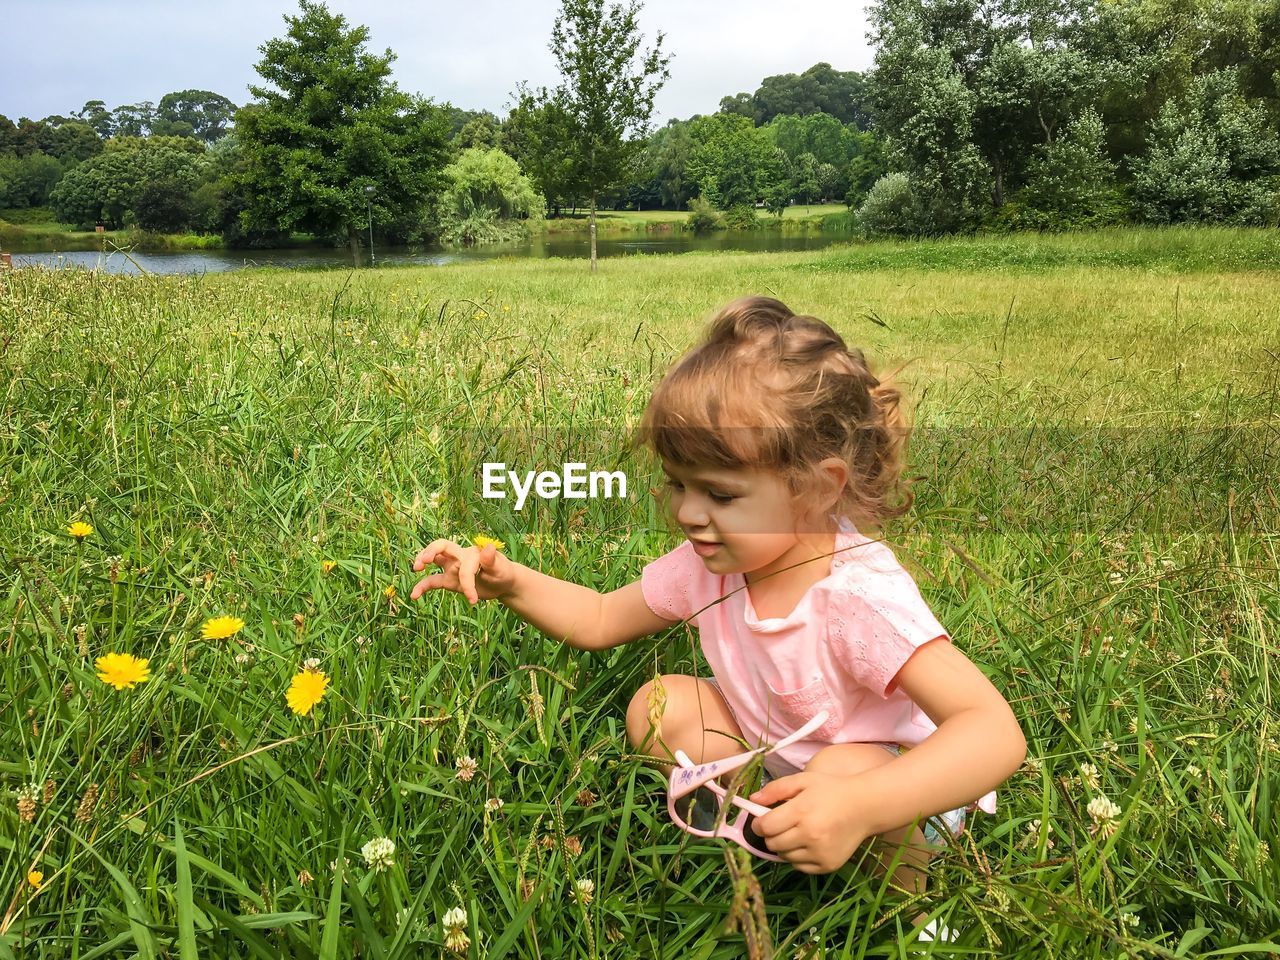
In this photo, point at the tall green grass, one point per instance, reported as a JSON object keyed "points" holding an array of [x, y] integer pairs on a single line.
{"points": [[1096, 524]]}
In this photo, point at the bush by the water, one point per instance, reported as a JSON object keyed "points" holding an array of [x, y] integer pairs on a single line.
{"points": [[703, 217]]}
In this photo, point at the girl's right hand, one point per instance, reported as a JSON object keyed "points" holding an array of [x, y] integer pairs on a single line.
{"points": [[477, 574]]}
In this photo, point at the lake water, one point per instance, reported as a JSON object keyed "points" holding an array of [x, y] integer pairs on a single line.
{"points": [[573, 245]]}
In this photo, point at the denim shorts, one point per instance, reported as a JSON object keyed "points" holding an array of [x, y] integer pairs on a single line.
{"points": [[953, 820]]}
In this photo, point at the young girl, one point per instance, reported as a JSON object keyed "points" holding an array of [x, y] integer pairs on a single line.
{"points": [[780, 447]]}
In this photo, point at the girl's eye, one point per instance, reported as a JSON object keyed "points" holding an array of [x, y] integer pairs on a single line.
{"points": [[717, 497]]}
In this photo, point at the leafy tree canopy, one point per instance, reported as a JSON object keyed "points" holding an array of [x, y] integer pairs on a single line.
{"points": [[331, 124], [106, 188], [202, 114], [820, 89]]}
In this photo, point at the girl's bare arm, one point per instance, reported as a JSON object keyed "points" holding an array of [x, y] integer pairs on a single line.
{"points": [[977, 746], [578, 615]]}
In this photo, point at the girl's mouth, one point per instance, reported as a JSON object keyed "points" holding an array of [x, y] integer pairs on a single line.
{"points": [[704, 549]]}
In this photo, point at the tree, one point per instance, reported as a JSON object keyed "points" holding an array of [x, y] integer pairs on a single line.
{"points": [[106, 188], [606, 89], [866, 168], [804, 178], [735, 164], [133, 119], [831, 182], [820, 134], [331, 124], [481, 130], [1212, 157], [537, 133], [27, 181], [96, 115], [1071, 182], [484, 196], [201, 114], [164, 204], [820, 89], [1009, 73]]}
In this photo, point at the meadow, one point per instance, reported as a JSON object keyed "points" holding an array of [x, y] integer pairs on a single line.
{"points": [[1096, 523]]}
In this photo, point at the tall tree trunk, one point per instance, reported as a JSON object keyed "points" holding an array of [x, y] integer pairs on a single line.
{"points": [[353, 238], [593, 231]]}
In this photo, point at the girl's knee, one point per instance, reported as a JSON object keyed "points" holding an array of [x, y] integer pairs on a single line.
{"points": [[649, 706], [848, 758]]}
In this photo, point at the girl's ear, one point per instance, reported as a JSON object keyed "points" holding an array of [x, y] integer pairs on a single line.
{"points": [[822, 490], [832, 475]]}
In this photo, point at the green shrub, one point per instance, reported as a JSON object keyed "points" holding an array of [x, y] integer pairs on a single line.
{"points": [[741, 217], [889, 208], [1212, 156], [1071, 183], [703, 217]]}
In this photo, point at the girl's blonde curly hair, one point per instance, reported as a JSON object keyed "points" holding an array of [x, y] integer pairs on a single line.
{"points": [[768, 388]]}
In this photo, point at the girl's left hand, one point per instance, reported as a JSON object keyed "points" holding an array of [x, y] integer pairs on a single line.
{"points": [[817, 828]]}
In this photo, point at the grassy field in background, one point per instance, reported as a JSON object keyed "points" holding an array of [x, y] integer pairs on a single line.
{"points": [[1096, 523]]}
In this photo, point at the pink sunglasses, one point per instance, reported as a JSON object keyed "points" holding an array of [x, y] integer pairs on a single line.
{"points": [[688, 780]]}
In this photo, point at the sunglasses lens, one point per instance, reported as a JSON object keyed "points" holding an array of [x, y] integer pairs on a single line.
{"points": [[699, 809], [751, 836]]}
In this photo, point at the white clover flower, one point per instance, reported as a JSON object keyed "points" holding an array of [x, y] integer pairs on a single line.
{"points": [[1089, 774], [1103, 812], [1100, 808], [1110, 745], [467, 767], [1130, 919], [377, 853], [584, 890], [454, 923], [493, 805], [311, 663], [1193, 771]]}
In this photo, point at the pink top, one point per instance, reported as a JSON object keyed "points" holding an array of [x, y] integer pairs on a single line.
{"points": [[838, 650]]}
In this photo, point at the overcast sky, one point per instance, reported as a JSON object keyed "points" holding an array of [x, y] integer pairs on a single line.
{"points": [[57, 54]]}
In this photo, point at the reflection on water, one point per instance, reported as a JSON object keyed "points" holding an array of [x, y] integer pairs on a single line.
{"points": [[573, 246]]}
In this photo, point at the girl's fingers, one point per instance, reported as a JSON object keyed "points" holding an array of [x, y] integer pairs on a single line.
{"points": [[437, 581], [428, 553], [488, 556], [807, 865], [467, 577], [789, 841]]}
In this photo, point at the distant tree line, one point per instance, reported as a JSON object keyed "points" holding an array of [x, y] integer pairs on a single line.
{"points": [[977, 114]]}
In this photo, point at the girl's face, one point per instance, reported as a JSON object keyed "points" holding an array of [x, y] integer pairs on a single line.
{"points": [[739, 520]]}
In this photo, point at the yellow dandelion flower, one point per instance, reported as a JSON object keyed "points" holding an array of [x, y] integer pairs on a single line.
{"points": [[121, 670], [306, 690], [328, 565], [80, 529], [220, 628], [390, 592], [482, 541], [35, 878]]}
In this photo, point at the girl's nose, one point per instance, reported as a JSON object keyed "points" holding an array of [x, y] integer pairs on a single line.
{"points": [[691, 512]]}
